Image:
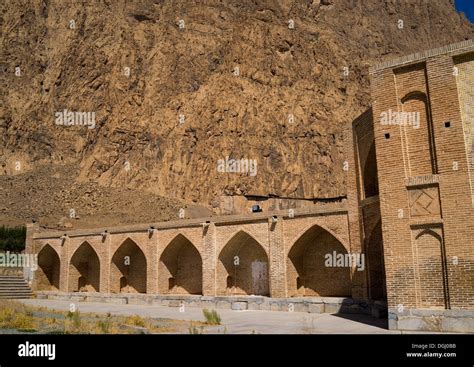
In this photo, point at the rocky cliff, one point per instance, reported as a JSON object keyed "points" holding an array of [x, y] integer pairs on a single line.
{"points": [[173, 87]]}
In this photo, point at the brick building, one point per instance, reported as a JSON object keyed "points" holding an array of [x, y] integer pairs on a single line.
{"points": [[408, 215]]}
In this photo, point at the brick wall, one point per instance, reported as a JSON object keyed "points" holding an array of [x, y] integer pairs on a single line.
{"points": [[228, 257], [424, 182]]}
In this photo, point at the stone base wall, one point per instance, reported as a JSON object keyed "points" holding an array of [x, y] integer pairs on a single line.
{"points": [[460, 321], [238, 303]]}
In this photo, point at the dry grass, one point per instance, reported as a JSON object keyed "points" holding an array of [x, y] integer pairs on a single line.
{"points": [[14, 315], [135, 320], [17, 317]]}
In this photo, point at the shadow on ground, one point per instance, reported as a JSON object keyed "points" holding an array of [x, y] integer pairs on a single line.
{"points": [[365, 319]]}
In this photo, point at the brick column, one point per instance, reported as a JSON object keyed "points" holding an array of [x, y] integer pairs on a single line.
{"points": [[152, 261], [209, 261], [276, 259], [105, 266], [64, 265]]}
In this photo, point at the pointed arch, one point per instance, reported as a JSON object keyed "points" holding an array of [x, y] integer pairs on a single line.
{"points": [[242, 267], [307, 270], [419, 140], [84, 270], [428, 231], [128, 270], [430, 265], [49, 265], [180, 268], [323, 227]]}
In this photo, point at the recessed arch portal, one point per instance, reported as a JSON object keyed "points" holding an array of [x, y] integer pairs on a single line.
{"points": [[308, 271], [180, 268], [84, 270], [128, 270], [243, 267], [49, 267]]}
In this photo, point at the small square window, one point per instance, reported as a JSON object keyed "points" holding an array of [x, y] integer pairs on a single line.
{"points": [[387, 135], [447, 124]]}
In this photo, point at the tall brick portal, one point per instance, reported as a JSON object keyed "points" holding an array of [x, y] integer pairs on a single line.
{"points": [[425, 167]]}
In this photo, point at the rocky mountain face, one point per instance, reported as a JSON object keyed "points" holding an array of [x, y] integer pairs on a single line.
{"points": [[152, 95]]}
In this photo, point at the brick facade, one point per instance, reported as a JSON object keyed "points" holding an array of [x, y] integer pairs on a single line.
{"points": [[425, 181], [229, 255], [409, 215]]}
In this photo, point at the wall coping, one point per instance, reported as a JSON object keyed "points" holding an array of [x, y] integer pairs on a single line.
{"points": [[194, 222], [451, 49]]}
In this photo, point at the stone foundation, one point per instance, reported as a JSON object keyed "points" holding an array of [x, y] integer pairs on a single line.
{"points": [[238, 303], [432, 320]]}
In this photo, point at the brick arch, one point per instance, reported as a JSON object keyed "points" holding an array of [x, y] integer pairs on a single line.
{"points": [[428, 231], [128, 269], [180, 267], [84, 269], [420, 142], [242, 267], [116, 238], [307, 272], [49, 269], [413, 94], [240, 228], [331, 232]]}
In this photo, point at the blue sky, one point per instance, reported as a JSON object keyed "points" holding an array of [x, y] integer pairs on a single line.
{"points": [[467, 7]]}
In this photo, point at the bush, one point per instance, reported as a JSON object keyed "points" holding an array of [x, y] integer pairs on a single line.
{"points": [[212, 317]]}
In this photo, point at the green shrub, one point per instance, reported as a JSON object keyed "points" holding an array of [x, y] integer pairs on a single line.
{"points": [[212, 317]]}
